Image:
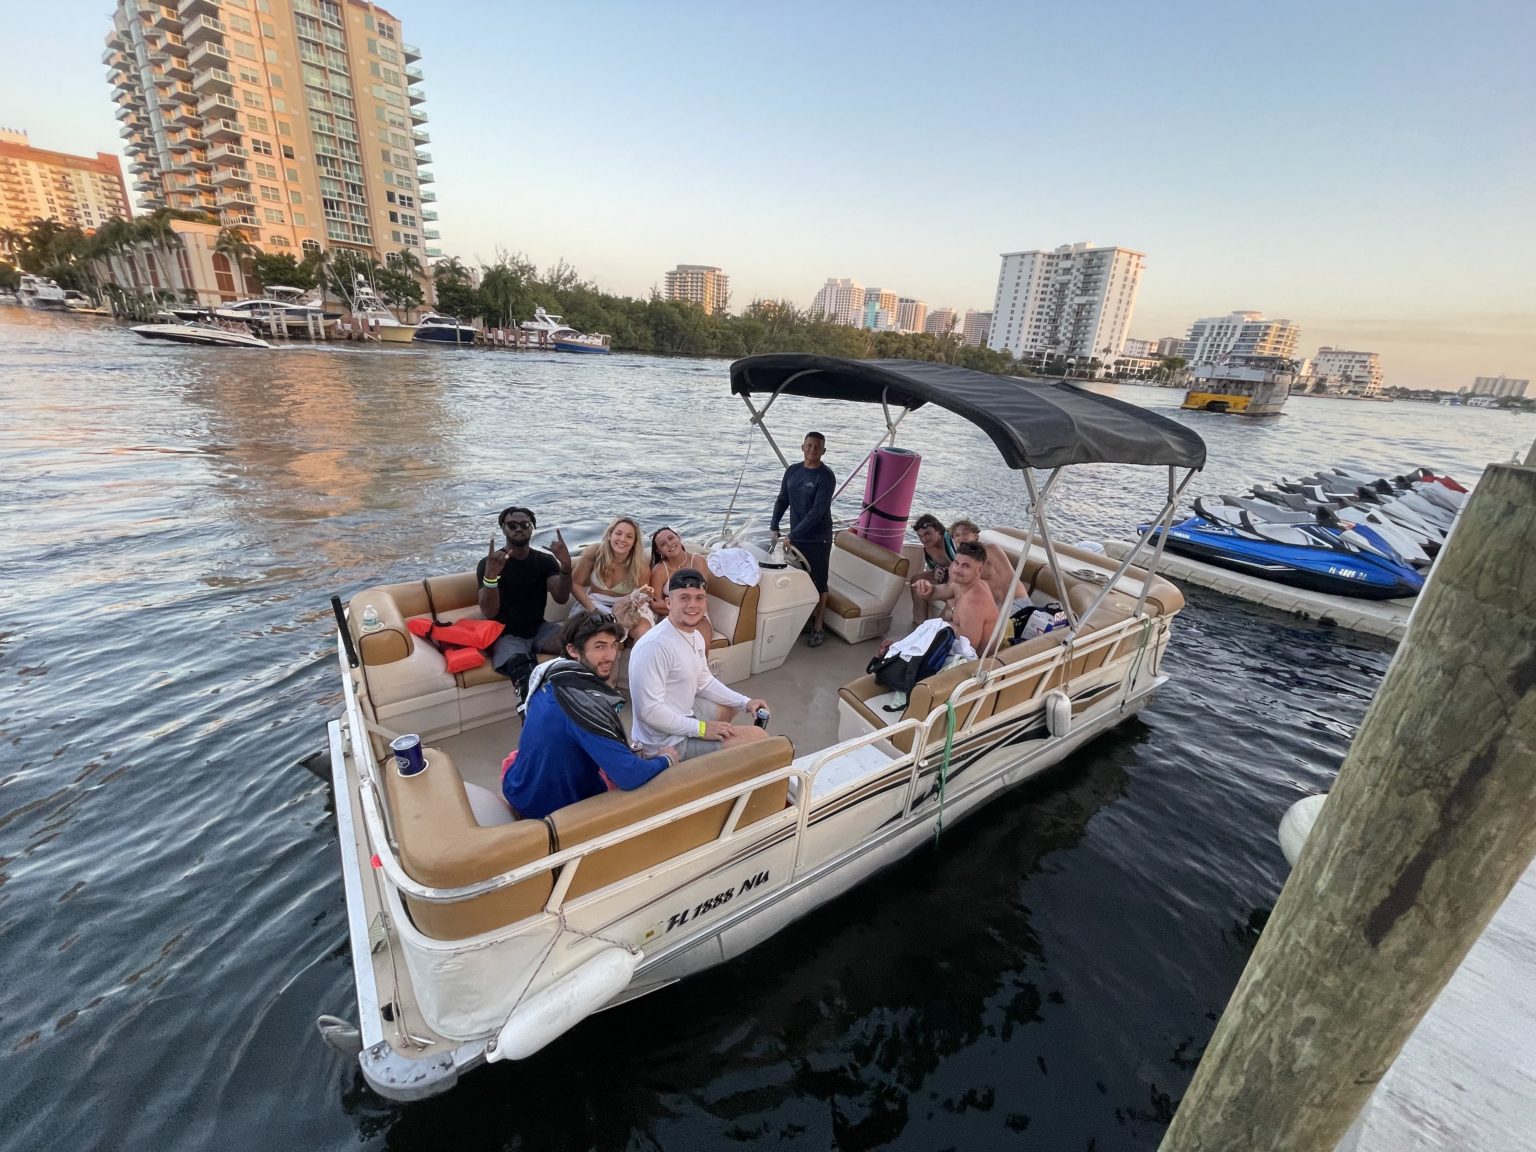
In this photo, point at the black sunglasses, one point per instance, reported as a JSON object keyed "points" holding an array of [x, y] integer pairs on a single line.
{"points": [[517, 523]]}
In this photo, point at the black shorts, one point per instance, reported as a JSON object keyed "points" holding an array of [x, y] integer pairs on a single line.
{"points": [[818, 560]]}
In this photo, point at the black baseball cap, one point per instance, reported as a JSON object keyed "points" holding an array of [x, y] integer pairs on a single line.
{"points": [[686, 578]]}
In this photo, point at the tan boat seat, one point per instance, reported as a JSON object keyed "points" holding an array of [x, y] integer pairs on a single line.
{"points": [[443, 845], [864, 583], [677, 785], [925, 696], [732, 610]]}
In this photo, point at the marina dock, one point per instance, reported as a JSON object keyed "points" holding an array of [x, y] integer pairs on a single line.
{"points": [[1386, 618]]}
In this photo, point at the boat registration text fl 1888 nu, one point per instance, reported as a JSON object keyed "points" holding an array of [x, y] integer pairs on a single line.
{"points": [[477, 937]]}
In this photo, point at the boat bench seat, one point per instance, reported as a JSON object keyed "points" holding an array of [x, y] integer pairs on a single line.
{"points": [[864, 583], [931, 693], [441, 843], [1085, 573]]}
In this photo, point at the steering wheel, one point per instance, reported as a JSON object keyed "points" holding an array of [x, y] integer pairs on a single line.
{"points": [[796, 557]]}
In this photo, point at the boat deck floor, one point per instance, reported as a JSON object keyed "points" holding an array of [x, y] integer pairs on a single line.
{"points": [[801, 693]]}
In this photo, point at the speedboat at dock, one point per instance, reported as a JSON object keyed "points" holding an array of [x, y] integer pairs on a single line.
{"points": [[479, 937], [436, 328], [195, 332], [42, 293], [583, 342]]}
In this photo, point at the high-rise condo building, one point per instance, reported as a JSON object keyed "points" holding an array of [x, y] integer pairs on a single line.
{"points": [[911, 314], [940, 322], [1139, 348], [700, 284], [1074, 301], [1355, 372], [841, 301], [1169, 345], [877, 301], [299, 121], [36, 184], [1238, 334], [978, 326], [1499, 386]]}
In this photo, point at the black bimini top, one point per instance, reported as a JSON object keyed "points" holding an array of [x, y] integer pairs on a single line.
{"points": [[1034, 423]]}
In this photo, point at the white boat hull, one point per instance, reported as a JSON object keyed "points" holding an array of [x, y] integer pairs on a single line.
{"points": [[199, 334]]}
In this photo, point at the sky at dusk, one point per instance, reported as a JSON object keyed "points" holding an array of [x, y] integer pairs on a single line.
{"points": [[1367, 170]]}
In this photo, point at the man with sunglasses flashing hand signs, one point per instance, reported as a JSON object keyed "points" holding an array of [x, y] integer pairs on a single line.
{"points": [[669, 668], [513, 582]]}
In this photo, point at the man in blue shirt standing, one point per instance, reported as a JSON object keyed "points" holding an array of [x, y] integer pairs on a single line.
{"points": [[807, 492], [573, 743]]}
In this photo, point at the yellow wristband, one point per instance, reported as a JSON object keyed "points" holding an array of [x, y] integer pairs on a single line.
{"points": [[701, 729]]}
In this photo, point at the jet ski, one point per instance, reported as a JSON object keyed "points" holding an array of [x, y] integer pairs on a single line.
{"points": [[1320, 552]]}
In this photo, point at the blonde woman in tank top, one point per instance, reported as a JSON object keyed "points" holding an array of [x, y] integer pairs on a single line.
{"points": [[610, 577]]}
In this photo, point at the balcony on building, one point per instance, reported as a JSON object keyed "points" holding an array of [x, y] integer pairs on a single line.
{"points": [[185, 94], [213, 80], [231, 177], [428, 197], [126, 111], [216, 105], [128, 131], [428, 215], [434, 252], [207, 55], [198, 159], [167, 19], [231, 154], [412, 53], [187, 9], [111, 56], [139, 167], [175, 46], [423, 157], [202, 30], [432, 234], [177, 69], [418, 114], [423, 176], [421, 136], [222, 130], [414, 72], [416, 95]]}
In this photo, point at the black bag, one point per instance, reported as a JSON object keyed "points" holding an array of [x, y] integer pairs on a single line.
{"points": [[901, 673]]}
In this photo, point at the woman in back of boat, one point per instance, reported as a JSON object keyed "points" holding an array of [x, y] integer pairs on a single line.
{"points": [[611, 577], [669, 555], [938, 551]]}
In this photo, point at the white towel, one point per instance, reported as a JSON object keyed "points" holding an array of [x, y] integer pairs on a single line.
{"points": [[918, 641], [736, 564]]}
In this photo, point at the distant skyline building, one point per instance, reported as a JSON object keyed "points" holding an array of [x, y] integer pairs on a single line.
{"points": [[1169, 345], [701, 284], [297, 121], [977, 327], [36, 184], [841, 301], [1139, 348], [882, 301], [911, 314], [940, 322], [1238, 334], [1500, 385], [1076, 300], [1356, 372]]}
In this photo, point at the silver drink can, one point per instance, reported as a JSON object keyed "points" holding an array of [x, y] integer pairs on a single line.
{"points": [[408, 758]]}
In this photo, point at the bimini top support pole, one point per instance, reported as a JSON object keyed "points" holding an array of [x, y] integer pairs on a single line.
{"points": [[1125, 562], [1039, 498], [1164, 527], [995, 640]]}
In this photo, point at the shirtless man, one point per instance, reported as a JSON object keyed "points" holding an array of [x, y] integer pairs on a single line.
{"points": [[972, 611], [998, 572]]}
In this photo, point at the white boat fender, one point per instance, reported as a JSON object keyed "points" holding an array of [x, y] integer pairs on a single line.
{"points": [[555, 1010], [1058, 713], [1296, 826]]}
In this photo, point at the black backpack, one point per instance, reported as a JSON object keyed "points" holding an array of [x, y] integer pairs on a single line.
{"points": [[901, 673]]}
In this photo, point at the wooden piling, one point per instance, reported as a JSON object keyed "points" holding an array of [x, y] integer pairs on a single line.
{"points": [[1429, 825]]}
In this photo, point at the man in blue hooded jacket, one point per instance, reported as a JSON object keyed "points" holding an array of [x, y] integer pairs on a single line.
{"points": [[573, 743]]}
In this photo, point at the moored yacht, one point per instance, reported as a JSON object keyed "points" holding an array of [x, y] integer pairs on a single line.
{"points": [[375, 319], [477, 936], [41, 292], [436, 328], [289, 307], [588, 342]]}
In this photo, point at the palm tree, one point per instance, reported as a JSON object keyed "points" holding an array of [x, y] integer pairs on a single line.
{"points": [[156, 233], [233, 245]]}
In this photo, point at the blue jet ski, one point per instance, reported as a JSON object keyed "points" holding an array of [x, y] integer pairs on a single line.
{"points": [[1316, 551]]}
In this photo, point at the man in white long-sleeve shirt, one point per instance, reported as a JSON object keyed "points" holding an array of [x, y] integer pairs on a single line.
{"points": [[669, 667]]}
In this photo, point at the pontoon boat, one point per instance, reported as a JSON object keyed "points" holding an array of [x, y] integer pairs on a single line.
{"points": [[478, 937]]}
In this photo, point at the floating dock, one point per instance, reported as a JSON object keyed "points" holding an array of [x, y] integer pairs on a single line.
{"points": [[1386, 618]]}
